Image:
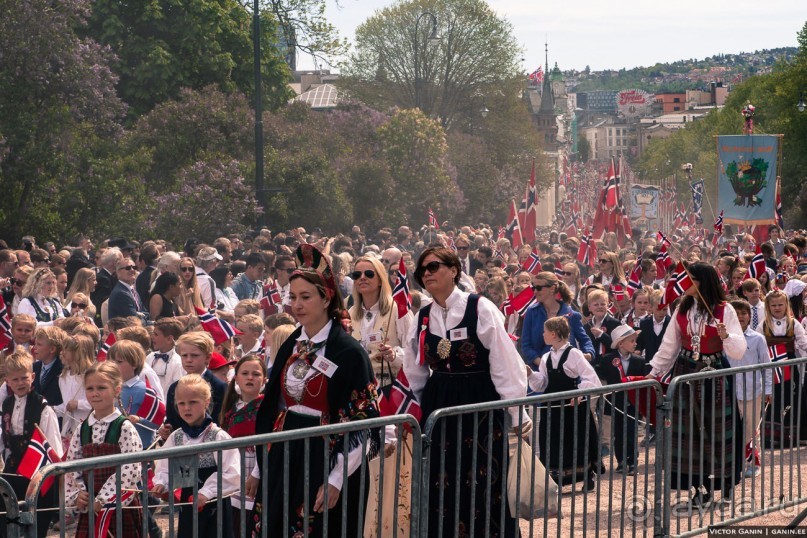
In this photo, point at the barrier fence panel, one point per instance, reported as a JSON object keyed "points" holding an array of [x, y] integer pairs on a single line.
{"points": [[734, 454], [565, 485], [382, 488]]}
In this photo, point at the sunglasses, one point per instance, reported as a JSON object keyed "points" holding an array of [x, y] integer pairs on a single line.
{"points": [[368, 273], [15, 282], [186, 269], [462, 248], [431, 267], [567, 273], [289, 270], [127, 268], [79, 305], [538, 287], [605, 261]]}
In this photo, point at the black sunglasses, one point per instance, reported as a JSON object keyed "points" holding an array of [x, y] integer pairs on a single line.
{"points": [[16, 282], [127, 268], [79, 305], [537, 287], [462, 248], [568, 273], [431, 267], [186, 269], [288, 270], [605, 261], [369, 273]]}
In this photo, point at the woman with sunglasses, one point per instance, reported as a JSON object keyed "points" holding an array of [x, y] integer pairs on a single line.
{"points": [[21, 275], [553, 298], [376, 325], [81, 306], [571, 277], [41, 298], [190, 298], [83, 282], [609, 272], [459, 353]]}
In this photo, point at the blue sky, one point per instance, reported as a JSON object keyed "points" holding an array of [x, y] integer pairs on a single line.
{"points": [[617, 33]]}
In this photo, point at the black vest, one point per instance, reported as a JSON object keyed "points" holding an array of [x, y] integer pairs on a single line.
{"points": [[467, 355], [558, 381], [18, 444]]}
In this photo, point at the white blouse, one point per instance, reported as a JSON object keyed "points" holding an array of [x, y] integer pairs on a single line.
{"points": [[26, 307], [780, 329], [130, 473], [575, 366], [72, 388], [48, 423]]}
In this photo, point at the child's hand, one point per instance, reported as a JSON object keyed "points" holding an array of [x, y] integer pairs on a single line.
{"points": [[597, 332], [251, 486], [82, 501], [159, 491], [134, 419], [768, 398], [71, 406], [164, 431], [97, 506], [333, 497]]}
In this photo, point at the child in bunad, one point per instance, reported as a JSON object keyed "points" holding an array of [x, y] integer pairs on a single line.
{"points": [[780, 327], [22, 334], [238, 413], [106, 431], [616, 366], [749, 386], [164, 360], [192, 399], [78, 354], [640, 307], [564, 368], [23, 409]]}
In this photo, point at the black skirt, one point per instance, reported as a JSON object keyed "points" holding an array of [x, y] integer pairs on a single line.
{"points": [[568, 440], [449, 461]]}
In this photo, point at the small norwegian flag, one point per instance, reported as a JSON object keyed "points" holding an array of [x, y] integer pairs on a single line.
{"points": [[401, 399], [757, 266], [663, 262], [451, 244], [519, 303], [38, 454], [497, 253], [532, 264], [777, 353], [152, 408], [108, 343], [559, 272], [220, 330], [105, 518], [678, 284], [635, 280], [780, 218], [401, 295], [661, 238], [587, 252], [433, 219], [271, 300], [6, 338]]}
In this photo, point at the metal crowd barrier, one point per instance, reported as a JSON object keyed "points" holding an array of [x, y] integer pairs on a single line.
{"points": [[459, 482]]}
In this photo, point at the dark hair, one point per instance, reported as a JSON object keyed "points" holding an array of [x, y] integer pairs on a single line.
{"points": [[163, 282], [283, 258], [711, 291], [486, 251], [255, 259], [219, 275], [311, 276], [231, 396], [149, 253], [741, 305], [445, 255]]}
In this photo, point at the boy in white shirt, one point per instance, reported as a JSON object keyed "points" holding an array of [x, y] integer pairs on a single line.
{"points": [[164, 360]]}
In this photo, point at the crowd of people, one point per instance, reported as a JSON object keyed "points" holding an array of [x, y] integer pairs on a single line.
{"points": [[266, 332]]}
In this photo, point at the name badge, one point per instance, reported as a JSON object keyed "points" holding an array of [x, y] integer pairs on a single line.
{"points": [[458, 334], [325, 366], [374, 338]]}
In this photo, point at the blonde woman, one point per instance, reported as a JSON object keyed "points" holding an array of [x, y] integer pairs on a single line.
{"points": [[609, 272], [190, 296], [40, 298], [84, 282]]}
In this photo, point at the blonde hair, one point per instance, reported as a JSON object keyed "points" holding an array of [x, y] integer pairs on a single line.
{"points": [[20, 360], [253, 322], [33, 286], [656, 296], [90, 310], [251, 306], [53, 335], [23, 318], [775, 294], [279, 335], [81, 283], [196, 297], [89, 329], [560, 286], [199, 339], [83, 349], [139, 335], [385, 294], [596, 294], [644, 290], [196, 384], [130, 352], [106, 370]]}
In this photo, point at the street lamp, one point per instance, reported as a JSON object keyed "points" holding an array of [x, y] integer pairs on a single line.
{"points": [[434, 36], [484, 111], [801, 106]]}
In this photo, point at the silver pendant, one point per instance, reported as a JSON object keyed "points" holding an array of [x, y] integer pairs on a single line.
{"points": [[696, 347], [708, 367]]}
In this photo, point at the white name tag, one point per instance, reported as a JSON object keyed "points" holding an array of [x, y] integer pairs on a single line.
{"points": [[458, 334], [325, 366], [374, 338]]}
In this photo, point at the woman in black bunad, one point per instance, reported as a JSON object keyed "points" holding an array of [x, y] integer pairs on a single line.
{"points": [[459, 353], [321, 376], [704, 334]]}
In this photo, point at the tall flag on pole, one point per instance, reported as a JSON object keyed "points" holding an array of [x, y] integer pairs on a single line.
{"points": [[433, 219], [780, 219], [537, 76], [401, 296], [513, 232], [611, 187], [677, 285], [530, 217], [697, 200]]}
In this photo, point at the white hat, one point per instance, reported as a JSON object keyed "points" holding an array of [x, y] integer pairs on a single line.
{"points": [[208, 254], [794, 287], [620, 333]]}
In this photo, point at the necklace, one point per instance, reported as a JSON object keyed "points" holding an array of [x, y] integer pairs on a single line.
{"points": [[444, 345], [300, 368]]}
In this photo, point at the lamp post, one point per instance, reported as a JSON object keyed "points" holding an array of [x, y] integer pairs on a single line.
{"points": [[256, 45], [434, 35], [801, 106]]}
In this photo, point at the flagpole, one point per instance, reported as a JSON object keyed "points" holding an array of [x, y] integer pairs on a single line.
{"points": [[697, 289]]}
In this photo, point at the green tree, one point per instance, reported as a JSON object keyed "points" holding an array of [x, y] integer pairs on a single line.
{"points": [[583, 148]]}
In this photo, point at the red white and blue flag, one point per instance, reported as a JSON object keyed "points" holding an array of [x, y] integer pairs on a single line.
{"points": [[530, 215], [219, 329], [663, 262], [401, 295], [271, 300], [778, 353], [513, 232], [519, 303], [108, 343], [401, 399], [587, 252], [105, 518], [433, 219], [661, 238], [780, 219], [6, 338], [537, 76], [757, 266], [678, 284], [611, 187], [38, 454], [635, 279], [532, 264], [152, 408]]}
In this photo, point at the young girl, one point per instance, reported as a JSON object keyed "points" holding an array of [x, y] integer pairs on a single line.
{"points": [[238, 412], [640, 307], [780, 327], [192, 402], [78, 355], [104, 432]]}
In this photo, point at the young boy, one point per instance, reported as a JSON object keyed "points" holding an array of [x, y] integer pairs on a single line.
{"points": [[652, 328], [752, 291], [749, 386], [141, 336], [48, 366], [22, 410], [249, 342], [562, 369], [616, 366], [164, 360]]}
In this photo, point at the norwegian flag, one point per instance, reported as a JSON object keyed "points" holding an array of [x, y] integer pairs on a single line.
{"points": [[433, 219], [500, 234], [451, 244], [401, 295], [559, 272], [678, 284], [587, 252], [108, 343], [220, 330], [400, 400], [38, 454], [497, 253], [530, 215], [520, 303], [777, 353], [718, 225], [611, 187], [513, 232], [618, 290], [152, 408], [532, 264], [575, 224], [757, 266], [635, 280], [680, 216], [661, 238], [271, 300], [6, 338], [537, 76], [105, 518], [663, 262], [780, 219]]}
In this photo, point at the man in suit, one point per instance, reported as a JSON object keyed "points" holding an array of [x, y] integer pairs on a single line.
{"points": [[124, 300], [469, 263]]}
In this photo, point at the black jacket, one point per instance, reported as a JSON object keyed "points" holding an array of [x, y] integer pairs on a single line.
{"points": [[647, 340], [50, 391]]}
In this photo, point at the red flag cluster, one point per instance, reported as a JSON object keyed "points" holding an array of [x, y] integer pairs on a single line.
{"points": [[677, 285]]}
